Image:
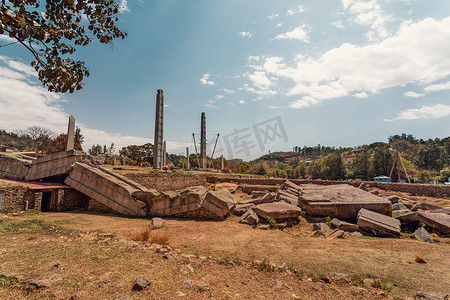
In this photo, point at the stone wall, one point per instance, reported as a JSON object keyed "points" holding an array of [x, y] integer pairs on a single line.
{"points": [[94, 205], [167, 181], [13, 200], [73, 199], [415, 188]]}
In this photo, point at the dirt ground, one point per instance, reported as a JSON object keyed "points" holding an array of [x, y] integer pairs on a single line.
{"points": [[391, 260]]}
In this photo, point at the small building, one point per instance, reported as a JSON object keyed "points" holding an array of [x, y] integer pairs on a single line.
{"points": [[17, 195], [381, 178]]}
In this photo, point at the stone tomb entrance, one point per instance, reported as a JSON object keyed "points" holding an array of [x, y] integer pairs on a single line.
{"points": [[46, 202]]}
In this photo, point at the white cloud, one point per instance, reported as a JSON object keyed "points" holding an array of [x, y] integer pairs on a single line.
{"points": [[7, 39], [368, 13], [279, 25], [219, 96], [424, 113], [274, 107], [205, 80], [416, 54], [412, 94], [299, 33], [292, 12], [438, 87], [228, 91], [242, 102], [361, 95], [272, 16], [338, 24], [209, 105], [253, 58], [123, 6], [260, 80], [24, 103], [247, 34]]}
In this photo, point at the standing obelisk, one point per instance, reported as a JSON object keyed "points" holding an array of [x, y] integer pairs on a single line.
{"points": [[203, 142], [70, 144], [158, 154]]}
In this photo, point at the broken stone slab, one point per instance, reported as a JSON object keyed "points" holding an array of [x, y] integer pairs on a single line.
{"points": [[219, 202], [336, 234], [259, 194], [440, 211], [277, 210], [422, 235], [14, 166], [341, 201], [370, 220], [429, 296], [408, 218], [393, 198], [242, 208], [250, 217], [440, 222], [399, 206], [375, 192], [364, 186], [288, 198], [424, 206], [231, 187], [342, 225]]}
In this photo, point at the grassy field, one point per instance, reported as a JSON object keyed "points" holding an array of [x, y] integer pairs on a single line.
{"points": [[64, 249]]}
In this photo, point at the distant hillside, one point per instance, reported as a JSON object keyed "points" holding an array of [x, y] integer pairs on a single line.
{"points": [[10, 139]]}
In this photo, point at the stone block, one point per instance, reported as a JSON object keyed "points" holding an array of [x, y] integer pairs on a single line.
{"points": [[438, 221], [386, 225], [424, 206], [250, 217], [241, 209], [219, 202], [277, 210]]}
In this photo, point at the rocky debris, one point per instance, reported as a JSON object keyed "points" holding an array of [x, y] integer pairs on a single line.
{"points": [[321, 227], [429, 296], [422, 235], [242, 208], [340, 275], [219, 202], [124, 298], [141, 283], [75, 297], [250, 217], [364, 186], [354, 234], [370, 220], [336, 234], [169, 255], [399, 206], [319, 233], [187, 283], [440, 222], [263, 226], [280, 225], [45, 282], [393, 198], [186, 269], [203, 287], [375, 192], [180, 294], [9, 277], [157, 222], [346, 226], [103, 282], [279, 285], [424, 206]]}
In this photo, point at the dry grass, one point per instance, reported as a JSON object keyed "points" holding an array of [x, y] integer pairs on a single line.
{"points": [[390, 260], [419, 259], [149, 235]]}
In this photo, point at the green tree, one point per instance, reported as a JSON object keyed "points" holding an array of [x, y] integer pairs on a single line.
{"points": [[333, 166], [432, 157], [382, 160], [53, 32], [361, 165]]}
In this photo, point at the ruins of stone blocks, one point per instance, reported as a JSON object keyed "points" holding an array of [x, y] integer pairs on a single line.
{"points": [[341, 201], [370, 220], [14, 166]]}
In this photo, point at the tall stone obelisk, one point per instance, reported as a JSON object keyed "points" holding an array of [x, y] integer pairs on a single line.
{"points": [[187, 155], [158, 151], [203, 142], [70, 145]]}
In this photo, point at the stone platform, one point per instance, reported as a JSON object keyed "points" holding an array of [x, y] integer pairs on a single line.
{"points": [[340, 201], [14, 166]]}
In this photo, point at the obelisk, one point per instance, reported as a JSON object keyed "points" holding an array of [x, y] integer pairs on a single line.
{"points": [[159, 122], [203, 142], [70, 145]]}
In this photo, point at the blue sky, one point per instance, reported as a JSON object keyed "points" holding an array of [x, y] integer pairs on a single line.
{"points": [[341, 73]]}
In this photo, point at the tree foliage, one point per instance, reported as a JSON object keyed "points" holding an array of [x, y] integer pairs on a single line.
{"points": [[54, 31]]}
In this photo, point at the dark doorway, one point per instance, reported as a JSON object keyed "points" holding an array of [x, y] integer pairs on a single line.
{"points": [[46, 201]]}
